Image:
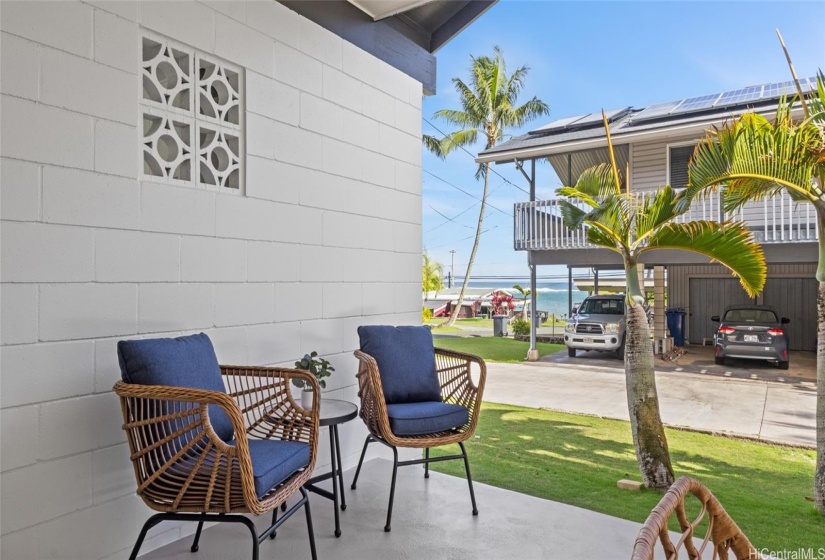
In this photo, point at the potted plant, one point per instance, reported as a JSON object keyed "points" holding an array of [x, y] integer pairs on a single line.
{"points": [[502, 303], [320, 368]]}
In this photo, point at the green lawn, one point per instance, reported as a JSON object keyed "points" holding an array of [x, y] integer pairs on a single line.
{"points": [[578, 459], [473, 323], [495, 349]]}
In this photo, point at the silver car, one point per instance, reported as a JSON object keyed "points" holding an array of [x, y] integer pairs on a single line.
{"points": [[752, 332]]}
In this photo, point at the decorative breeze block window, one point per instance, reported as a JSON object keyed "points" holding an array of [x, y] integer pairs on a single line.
{"points": [[192, 106]]}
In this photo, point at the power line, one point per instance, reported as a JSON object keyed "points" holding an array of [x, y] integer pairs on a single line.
{"points": [[448, 218], [460, 240], [472, 156], [467, 193]]}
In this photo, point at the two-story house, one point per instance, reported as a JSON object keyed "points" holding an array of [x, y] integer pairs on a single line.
{"points": [[653, 146]]}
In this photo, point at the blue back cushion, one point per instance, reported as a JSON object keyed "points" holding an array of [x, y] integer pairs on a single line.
{"points": [[406, 362], [186, 361]]}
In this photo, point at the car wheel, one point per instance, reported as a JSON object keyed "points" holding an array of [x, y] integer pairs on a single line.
{"points": [[784, 365], [620, 351], [720, 361], [571, 352]]}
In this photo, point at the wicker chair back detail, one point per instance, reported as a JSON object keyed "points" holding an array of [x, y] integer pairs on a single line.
{"points": [[722, 533], [184, 467]]}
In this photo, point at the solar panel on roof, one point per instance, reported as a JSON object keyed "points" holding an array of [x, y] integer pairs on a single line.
{"points": [[777, 90], [696, 103], [656, 110], [597, 117], [559, 124], [739, 96]]}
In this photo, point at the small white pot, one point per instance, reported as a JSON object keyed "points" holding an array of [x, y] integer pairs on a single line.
{"points": [[306, 399]]}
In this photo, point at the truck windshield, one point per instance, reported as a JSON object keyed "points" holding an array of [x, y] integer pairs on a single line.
{"points": [[602, 307]]}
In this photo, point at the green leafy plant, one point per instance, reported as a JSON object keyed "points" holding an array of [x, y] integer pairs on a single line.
{"points": [[319, 367], [521, 326], [426, 314]]}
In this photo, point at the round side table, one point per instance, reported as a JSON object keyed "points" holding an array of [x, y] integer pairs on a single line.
{"points": [[333, 413]]}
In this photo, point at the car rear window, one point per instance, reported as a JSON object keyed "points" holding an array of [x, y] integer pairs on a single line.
{"points": [[750, 316], [602, 307]]}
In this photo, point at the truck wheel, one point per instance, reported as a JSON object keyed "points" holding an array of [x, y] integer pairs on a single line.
{"points": [[571, 352], [784, 365], [720, 361]]}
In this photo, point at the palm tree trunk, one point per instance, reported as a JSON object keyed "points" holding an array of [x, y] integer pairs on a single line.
{"points": [[819, 476], [454, 314], [642, 398]]}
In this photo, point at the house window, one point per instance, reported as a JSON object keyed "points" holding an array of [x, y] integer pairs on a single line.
{"points": [[192, 108], [679, 158]]}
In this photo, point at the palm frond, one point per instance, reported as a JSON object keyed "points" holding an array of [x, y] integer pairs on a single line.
{"points": [[463, 119], [571, 215], [433, 145], [458, 139], [731, 244], [656, 209]]}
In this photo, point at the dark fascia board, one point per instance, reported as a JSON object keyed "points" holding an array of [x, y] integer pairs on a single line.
{"points": [[394, 40], [456, 24]]}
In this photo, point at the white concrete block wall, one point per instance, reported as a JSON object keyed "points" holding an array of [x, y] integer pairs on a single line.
{"points": [[325, 237]]}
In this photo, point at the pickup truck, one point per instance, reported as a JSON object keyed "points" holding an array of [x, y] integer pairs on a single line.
{"points": [[598, 324]]}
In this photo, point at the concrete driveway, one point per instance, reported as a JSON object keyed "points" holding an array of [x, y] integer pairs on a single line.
{"points": [[761, 408]]}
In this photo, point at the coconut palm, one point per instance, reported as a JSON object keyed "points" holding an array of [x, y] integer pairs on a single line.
{"points": [[525, 293], [431, 275], [632, 224], [488, 107], [754, 158]]}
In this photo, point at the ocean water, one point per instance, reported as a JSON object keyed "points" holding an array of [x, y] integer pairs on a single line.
{"points": [[550, 296]]}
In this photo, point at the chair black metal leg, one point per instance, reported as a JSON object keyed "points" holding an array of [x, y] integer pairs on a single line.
{"points": [[194, 547], [151, 522], [334, 481], [309, 525], [283, 506], [427, 465], [340, 469], [275, 520], [360, 462], [469, 477], [387, 527]]}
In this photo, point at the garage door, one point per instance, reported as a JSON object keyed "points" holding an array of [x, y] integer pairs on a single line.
{"points": [[794, 298]]}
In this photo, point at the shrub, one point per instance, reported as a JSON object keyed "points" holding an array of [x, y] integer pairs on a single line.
{"points": [[521, 326], [426, 314]]}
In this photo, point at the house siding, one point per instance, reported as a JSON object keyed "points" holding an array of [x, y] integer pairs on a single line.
{"points": [[648, 163], [326, 237]]}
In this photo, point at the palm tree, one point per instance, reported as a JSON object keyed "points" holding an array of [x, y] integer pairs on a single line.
{"points": [[431, 275], [488, 106], [753, 159], [632, 224], [525, 293]]}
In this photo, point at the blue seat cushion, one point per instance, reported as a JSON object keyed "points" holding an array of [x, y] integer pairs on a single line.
{"points": [[273, 461], [415, 419], [186, 361], [406, 362]]}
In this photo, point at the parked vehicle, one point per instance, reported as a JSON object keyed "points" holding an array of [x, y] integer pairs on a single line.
{"points": [[597, 324], [754, 332]]}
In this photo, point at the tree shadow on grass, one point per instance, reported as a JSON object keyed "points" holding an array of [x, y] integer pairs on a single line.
{"points": [[577, 460]]}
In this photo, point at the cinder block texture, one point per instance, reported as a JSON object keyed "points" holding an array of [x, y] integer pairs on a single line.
{"points": [[322, 236]]}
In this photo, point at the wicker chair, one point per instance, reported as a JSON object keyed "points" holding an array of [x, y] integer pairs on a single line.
{"points": [[722, 530], [454, 388], [204, 455]]}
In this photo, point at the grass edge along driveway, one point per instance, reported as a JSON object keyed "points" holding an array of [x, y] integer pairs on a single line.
{"points": [[576, 460], [495, 349]]}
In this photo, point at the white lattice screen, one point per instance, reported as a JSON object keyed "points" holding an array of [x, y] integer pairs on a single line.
{"points": [[192, 109]]}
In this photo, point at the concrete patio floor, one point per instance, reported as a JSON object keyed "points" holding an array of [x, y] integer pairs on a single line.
{"points": [[431, 519]]}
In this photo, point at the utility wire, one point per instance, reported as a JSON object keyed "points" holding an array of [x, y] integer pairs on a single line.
{"points": [[509, 215], [449, 219], [442, 133], [460, 240]]}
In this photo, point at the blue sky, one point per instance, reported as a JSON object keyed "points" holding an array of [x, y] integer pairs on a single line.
{"points": [[584, 56]]}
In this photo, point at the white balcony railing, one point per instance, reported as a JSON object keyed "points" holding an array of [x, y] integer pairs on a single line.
{"points": [[538, 225]]}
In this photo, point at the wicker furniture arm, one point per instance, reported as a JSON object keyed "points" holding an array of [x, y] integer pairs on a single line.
{"points": [[180, 463], [722, 530], [457, 387]]}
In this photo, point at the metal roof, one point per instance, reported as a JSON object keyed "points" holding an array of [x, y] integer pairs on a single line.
{"points": [[687, 113]]}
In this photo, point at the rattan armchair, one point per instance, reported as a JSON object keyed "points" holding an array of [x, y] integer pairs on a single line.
{"points": [[186, 471], [457, 387], [722, 531]]}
